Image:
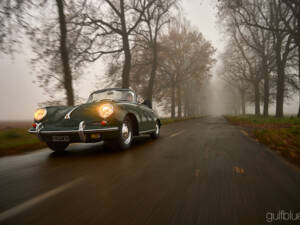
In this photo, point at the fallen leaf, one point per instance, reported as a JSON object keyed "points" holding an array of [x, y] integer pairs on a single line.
{"points": [[197, 173], [238, 170]]}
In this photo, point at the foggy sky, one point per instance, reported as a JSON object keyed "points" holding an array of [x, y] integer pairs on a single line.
{"points": [[19, 97]]}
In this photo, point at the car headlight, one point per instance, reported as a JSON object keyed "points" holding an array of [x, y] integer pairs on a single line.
{"points": [[105, 110], [40, 114]]}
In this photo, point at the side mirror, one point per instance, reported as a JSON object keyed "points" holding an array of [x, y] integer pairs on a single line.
{"points": [[148, 103]]}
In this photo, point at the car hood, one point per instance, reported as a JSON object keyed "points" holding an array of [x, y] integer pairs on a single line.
{"points": [[69, 115]]}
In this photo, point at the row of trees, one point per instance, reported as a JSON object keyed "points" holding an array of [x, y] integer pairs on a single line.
{"points": [[183, 63], [145, 46], [261, 60]]}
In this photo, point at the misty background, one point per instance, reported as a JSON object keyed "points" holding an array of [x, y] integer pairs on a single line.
{"points": [[20, 94]]}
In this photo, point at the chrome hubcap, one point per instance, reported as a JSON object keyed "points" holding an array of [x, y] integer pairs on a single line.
{"points": [[126, 133]]}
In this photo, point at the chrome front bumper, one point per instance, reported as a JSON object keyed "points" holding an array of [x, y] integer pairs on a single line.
{"points": [[81, 131]]}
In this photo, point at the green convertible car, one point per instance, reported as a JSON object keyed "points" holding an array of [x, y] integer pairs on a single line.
{"points": [[113, 115]]}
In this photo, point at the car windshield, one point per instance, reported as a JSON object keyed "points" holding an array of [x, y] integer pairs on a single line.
{"points": [[115, 95]]}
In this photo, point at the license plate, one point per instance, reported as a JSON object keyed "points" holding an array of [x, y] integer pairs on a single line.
{"points": [[60, 138]]}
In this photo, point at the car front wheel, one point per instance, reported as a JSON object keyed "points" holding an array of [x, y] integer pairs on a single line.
{"points": [[155, 134], [124, 138], [58, 147]]}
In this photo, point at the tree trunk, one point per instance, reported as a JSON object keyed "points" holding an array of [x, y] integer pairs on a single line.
{"points": [[64, 53], [187, 109], [153, 73], [126, 49], [127, 63], [243, 102], [280, 96], [173, 100], [299, 74], [280, 85], [185, 106], [257, 98], [266, 89], [179, 113], [298, 42]]}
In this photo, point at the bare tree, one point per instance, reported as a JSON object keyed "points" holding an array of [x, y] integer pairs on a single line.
{"points": [[236, 74], [294, 29], [153, 21], [186, 59], [259, 40], [12, 24], [52, 48], [273, 16], [109, 25], [282, 44], [254, 68], [64, 53]]}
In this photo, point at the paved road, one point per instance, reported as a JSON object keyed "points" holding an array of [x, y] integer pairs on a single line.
{"points": [[202, 171]]}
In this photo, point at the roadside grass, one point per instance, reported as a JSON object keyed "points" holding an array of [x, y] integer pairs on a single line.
{"points": [[18, 140], [280, 134], [270, 120]]}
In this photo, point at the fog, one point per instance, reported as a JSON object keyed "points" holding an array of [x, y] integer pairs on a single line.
{"points": [[222, 100], [20, 95]]}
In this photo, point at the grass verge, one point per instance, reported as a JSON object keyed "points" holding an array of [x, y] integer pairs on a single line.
{"points": [[18, 140], [280, 134]]}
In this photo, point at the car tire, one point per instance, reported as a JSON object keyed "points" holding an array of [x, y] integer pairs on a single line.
{"points": [[156, 133], [124, 138], [57, 147]]}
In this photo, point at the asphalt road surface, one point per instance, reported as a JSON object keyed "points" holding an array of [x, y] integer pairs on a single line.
{"points": [[202, 171]]}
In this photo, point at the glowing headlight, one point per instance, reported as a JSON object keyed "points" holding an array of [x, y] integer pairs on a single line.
{"points": [[106, 110], [40, 114]]}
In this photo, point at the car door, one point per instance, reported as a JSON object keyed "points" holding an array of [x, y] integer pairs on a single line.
{"points": [[143, 125], [148, 121]]}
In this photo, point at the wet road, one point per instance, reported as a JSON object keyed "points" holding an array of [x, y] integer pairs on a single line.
{"points": [[202, 171]]}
